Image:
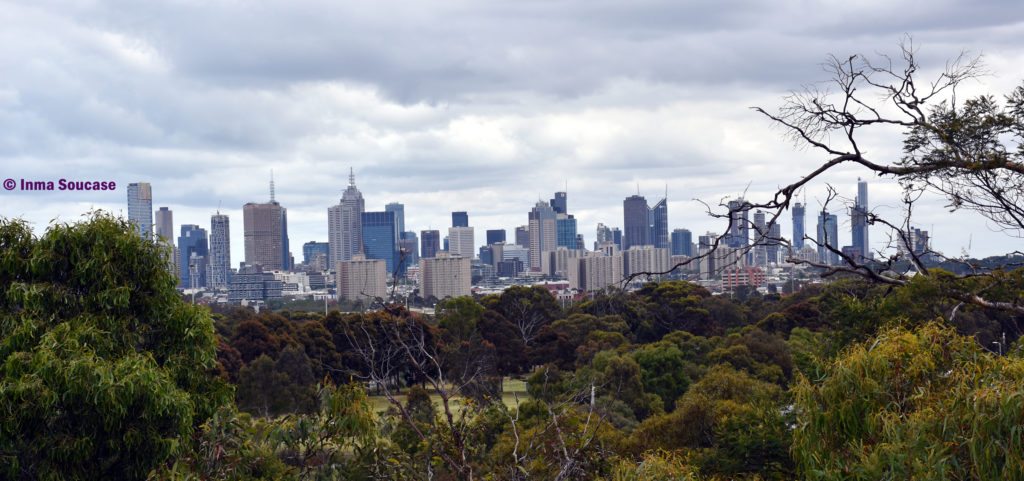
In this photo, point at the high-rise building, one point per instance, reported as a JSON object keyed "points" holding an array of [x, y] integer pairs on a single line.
{"points": [[603, 236], [617, 237], [560, 203], [460, 219], [265, 227], [461, 242], [760, 250], [312, 248], [344, 223], [379, 239], [523, 238], [828, 234], [220, 251], [565, 225], [636, 222], [409, 247], [859, 221], [598, 271], [739, 224], [659, 224], [193, 253], [774, 242], [165, 224], [445, 276], [543, 233], [650, 259], [362, 279], [798, 226], [495, 236], [140, 208], [399, 210], [430, 243], [682, 243]]}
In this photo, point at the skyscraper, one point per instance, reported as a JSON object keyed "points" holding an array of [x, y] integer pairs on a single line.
{"points": [[140, 208], [859, 220], [408, 246], [523, 236], [739, 228], [565, 225], [430, 243], [495, 235], [798, 226], [399, 210], [344, 224], [165, 224], [636, 222], [543, 234], [265, 226], [828, 234], [311, 249], [461, 242], [379, 238], [659, 224], [682, 243], [560, 203], [193, 254], [220, 251], [460, 219], [445, 276]]}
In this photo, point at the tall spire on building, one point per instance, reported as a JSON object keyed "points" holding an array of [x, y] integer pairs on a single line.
{"points": [[272, 185], [351, 177]]}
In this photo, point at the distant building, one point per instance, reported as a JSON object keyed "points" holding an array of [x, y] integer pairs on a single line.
{"points": [[379, 239], [560, 203], [523, 236], [733, 277], [597, 271], [828, 235], [682, 243], [460, 219], [361, 279], [445, 276], [344, 223], [399, 210], [543, 233], [220, 251], [193, 251], [636, 221], [430, 243], [659, 224], [798, 226], [250, 283], [312, 248], [859, 222], [638, 259], [565, 226], [495, 235], [409, 248], [461, 242], [264, 229], [739, 228], [165, 224], [140, 208]]}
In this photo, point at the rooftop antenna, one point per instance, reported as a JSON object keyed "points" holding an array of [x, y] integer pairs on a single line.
{"points": [[272, 185], [666, 191], [218, 207], [351, 177], [637, 188]]}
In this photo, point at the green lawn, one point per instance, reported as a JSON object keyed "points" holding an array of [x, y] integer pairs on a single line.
{"points": [[511, 388]]}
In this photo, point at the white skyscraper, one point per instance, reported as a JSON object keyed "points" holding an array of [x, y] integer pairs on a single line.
{"points": [[345, 224], [460, 241]]}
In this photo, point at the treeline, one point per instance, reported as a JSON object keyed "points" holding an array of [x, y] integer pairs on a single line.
{"points": [[107, 373]]}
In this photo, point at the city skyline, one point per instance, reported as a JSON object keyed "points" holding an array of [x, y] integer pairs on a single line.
{"points": [[442, 125]]}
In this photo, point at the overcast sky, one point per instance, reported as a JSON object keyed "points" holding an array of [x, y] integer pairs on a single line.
{"points": [[455, 105]]}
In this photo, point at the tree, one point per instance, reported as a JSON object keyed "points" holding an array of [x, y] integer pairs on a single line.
{"points": [[921, 404], [104, 372]]}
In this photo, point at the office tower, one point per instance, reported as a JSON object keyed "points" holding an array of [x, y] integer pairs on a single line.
{"points": [[798, 226], [399, 210], [445, 243], [828, 234], [445, 276], [560, 203], [220, 251], [430, 242], [636, 222], [739, 224], [495, 236], [460, 219], [379, 241], [193, 253], [461, 241], [859, 221], [265, 226], [362, 279], [648, 259], [165, 224], [344, 223], [659, 224], [523, 237], [603, 236], [140, 208], [774, 243], [409, 246], [580, 244], [543, 235], [617, 237], [565, 226], [311, 249], [760, 251], [682, 243]]}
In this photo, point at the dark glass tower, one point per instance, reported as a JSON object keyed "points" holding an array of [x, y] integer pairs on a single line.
{"points": [[495, 235], [659, 224], [636, 222], [379, 238], [798, 226], [430, 243], [460, 219]]}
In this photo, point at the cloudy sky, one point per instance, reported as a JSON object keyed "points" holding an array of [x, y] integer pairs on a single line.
{"points": [[453, 105]]}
